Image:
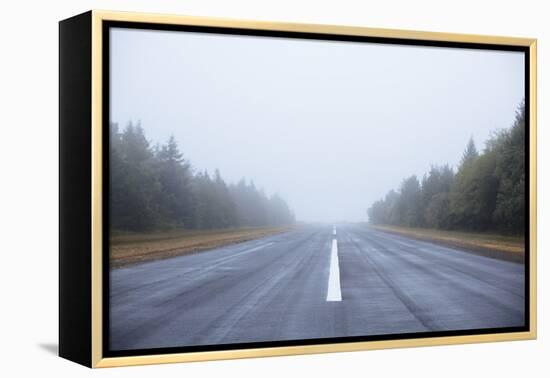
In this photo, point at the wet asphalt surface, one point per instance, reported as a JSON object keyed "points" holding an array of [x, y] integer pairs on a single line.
{"points": [[275, 289]]}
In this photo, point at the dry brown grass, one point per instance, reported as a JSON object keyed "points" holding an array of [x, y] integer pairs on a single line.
{"points": [[469, 240], [127, 249]]}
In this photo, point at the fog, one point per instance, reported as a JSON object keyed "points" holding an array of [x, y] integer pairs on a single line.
{"points": [[330, 126]]}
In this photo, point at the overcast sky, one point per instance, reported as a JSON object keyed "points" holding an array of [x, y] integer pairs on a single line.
{"points": [[330, 126]]}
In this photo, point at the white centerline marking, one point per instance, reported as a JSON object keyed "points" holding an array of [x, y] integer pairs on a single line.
{"points": [[334, 293], [333, 230]]}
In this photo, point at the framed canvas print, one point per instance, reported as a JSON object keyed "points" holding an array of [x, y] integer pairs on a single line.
{"points": [[236, 189]]}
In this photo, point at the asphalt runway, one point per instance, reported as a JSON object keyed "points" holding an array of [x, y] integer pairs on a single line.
{"points": [[317, 281]]}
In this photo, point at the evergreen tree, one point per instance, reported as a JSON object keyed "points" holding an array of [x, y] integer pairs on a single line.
{"points": [[470, 154], [509, 212], [175, 198], [280, 213], [155, 188], [436, 186], [118, 180], [134, 186], [409, 204], [486, 193], [473, 194], [226, 207]]}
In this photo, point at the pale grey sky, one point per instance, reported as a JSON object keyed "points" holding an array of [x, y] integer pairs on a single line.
{"points": [[330, 126]]}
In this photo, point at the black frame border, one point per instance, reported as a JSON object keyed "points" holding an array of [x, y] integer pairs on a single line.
{"points": [[75, 193], [107, 25]]}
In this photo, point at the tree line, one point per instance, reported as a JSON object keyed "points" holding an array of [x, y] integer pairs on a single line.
{"points": [[154, 187], [486, 193]]}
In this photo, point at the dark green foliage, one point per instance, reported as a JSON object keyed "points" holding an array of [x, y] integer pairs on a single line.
{"points": [[510, 171], [473, 193], [385, 211], [154, 188], [175, 198], [486, 193], [255, 208], [134, 182], [408, 206], [470, 154], [436, 186], [436, 214]]}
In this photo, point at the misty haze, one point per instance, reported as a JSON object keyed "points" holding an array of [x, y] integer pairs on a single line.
{"points": [[271, 189], [327, 125]]}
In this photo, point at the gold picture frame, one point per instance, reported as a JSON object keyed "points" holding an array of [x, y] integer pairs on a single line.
{"points": [[90, 328]]}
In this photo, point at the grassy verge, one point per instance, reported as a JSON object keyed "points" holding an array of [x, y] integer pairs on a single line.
{"points": [[129, 248], [494, 245]]}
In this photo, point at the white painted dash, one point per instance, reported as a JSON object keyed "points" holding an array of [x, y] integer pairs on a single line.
{"points": [[334, 293], [333, 230]]}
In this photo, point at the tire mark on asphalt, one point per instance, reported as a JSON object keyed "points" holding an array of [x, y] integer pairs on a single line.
{"points": [[487, 298], [415, 310], [216, 262], [440, 262], [226, 322], [187, 299]]}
